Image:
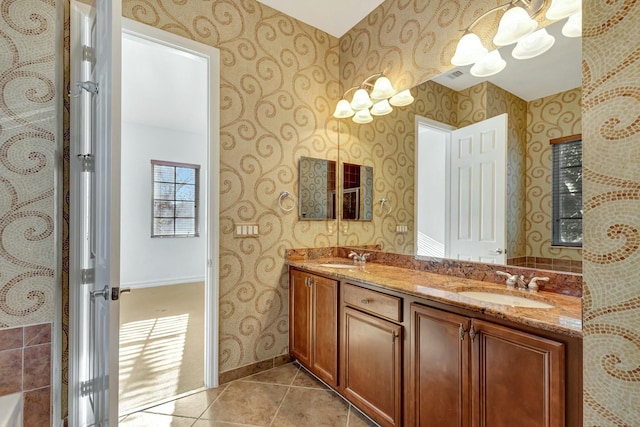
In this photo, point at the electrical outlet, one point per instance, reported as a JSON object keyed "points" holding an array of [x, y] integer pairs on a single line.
{"points": [[246, 230]]}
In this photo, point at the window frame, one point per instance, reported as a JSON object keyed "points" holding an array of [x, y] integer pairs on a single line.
{"points": [[556, 228], [196, 200]]}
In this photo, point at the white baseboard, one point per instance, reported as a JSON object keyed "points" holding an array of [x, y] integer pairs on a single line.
{"points": [[164, 282]]}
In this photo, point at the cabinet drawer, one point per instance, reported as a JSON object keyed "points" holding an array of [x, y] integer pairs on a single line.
{"points": [[383, 305]]}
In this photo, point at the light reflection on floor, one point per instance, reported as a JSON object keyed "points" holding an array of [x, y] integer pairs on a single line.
{"points": [[151, 358]]}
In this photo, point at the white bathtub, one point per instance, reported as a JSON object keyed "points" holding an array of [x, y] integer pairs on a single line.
{"points": [[11, 410]]}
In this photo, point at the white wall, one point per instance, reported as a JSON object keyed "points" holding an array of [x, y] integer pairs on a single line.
{"points": [[431, 194], [158, 261]]}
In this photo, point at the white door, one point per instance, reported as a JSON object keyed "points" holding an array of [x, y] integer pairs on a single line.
{"points": [[95, 214], [479, 192]]}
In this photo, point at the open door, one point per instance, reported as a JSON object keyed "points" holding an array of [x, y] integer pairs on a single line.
{"points": [[94, 270], [478, 228]]}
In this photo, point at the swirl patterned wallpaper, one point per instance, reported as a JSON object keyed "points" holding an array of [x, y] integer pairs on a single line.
{"points": [[279, 83], [28, 161], [547, 118]]}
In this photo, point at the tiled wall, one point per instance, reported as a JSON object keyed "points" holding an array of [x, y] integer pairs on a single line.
{"points": [[25, 366], [28, 148]]}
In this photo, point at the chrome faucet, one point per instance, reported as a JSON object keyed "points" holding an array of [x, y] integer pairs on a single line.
{"points": [[515, 281], [361, 258]]}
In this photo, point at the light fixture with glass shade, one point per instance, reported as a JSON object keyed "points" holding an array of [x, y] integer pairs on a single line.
{"points": [[375, 96], [517, 25], [533, 45], [573, 26]]}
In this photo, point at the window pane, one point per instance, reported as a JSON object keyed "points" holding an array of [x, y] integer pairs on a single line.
{"points": [[571, 207], [185, 226], [185, 175], [185, 192], [163, 226], [163, 173], [163, 191], [571, 230], [185, 210], [163, 208]]}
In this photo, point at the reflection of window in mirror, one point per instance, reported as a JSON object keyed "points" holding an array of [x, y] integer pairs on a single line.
{"points": [[566, 183], [175, 199], [357, 192]]}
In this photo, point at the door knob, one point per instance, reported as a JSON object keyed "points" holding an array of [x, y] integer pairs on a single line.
{"points": [[496, 252]]}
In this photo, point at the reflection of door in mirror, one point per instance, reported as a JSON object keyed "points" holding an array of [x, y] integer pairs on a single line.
{"points": [[461, 191], [317, 189], [357, 192]]}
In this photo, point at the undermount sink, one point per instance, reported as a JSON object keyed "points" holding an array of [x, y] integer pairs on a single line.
{"points": [[504, 299], [337, 265]]}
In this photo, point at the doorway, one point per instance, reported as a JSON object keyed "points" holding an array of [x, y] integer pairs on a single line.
{"points": [[461, 190], [169, 210]]}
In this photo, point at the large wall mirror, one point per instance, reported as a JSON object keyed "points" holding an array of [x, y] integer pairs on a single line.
{"points": [[317, 189], [541, 98]]}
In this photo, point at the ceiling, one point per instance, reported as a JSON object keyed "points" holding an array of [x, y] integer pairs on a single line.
{"points": [[335, 17]]}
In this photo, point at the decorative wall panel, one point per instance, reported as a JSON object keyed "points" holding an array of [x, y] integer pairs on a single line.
{"points": [[611, 203], [28, 149]]}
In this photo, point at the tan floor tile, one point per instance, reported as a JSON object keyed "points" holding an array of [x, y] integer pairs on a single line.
{"points": [[305, 379], [281, 375], [356, 419], [213, 423], [145, 419], [189, 406], [247, 403], [309, 407]]}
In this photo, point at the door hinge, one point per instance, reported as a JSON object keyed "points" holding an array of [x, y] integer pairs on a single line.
{"points": [[88, 276], [86, 388], [88, 163], [88, 54]]}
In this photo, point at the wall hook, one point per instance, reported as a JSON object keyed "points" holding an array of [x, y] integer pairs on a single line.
{"points": [[283, 196]]}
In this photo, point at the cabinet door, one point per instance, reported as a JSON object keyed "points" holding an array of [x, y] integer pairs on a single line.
{"points": [[325, 329], [300, 316], [518, 378], [371, 365], [440, 368]]}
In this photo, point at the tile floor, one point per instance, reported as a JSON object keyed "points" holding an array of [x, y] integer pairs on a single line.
{"points": [[286, 396]]}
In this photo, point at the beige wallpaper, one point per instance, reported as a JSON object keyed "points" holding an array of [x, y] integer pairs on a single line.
{"points": [[28, 150], [279, 81], [547, 118]]}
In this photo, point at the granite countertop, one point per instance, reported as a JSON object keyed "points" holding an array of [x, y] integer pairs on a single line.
{"points": [[564, 317]]}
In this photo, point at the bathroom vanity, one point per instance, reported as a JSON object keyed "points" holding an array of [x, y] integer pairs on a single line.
{"points": [[408, 349]]}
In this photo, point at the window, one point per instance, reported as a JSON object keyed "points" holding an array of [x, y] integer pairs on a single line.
{"points": [[567, 191], [175, 199]]}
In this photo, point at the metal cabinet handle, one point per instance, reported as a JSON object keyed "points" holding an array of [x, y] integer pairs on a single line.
{"points": [[364, 301], [462, 332]]}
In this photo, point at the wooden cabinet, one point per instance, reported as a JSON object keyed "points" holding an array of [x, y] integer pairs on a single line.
{"points": [[313, 323], [468, 372], [440, 368], [371, 357]]}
